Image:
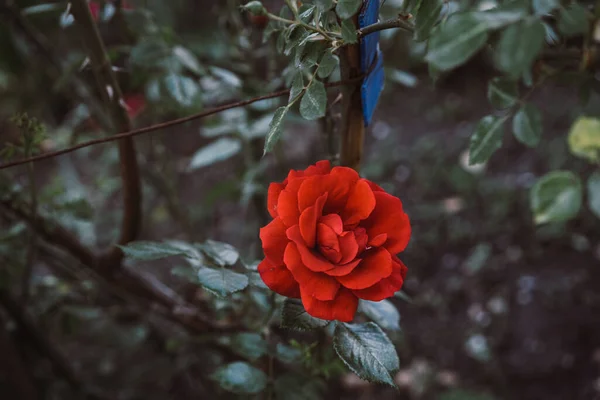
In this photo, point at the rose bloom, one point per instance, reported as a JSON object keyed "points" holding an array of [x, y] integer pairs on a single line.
{"points": [[333, 240]]}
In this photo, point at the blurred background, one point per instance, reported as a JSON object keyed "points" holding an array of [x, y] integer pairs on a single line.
{"points": [[495, 307]]}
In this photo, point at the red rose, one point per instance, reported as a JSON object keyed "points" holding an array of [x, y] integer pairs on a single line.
{"points": [[333, 240]]}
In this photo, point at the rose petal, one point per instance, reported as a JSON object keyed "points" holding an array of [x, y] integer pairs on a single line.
{"points": [[274, 240], [278, 279], [360, 204], [348, 247], [328, 243], [386, 287], [378, 240], [308, 221], [374, 267], [320, 168], [272, 197], [389, 218], [316, 284], [341, 270], [342, 308], [312, 261], [287, 204], [375, 187], [337, 184], [334, 221]]}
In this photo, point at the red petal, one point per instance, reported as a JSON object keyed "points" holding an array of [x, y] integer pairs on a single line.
{"points": [[388, 217], [334, 221], [337, 184], [287, 204], [386, 287], [342, 308], [316, 284], [374, 267], [341, 270], [278, 279], [312, 261], [378, 240], [328, 243], [348, 247], [308, 221], [375, 187], [274, 191], [274, 240], [322, 167], [360, 204]]}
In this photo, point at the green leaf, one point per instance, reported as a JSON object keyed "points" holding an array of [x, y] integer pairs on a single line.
{"points": [[249, 345], [328, 64], [288, 354], [182, 89], [502, 92], [486, 139], [146, 251], [543, 7], [188, 60], [383, 313], [43, 8], [255, 8], [241, 378], [556, 197], [275, 129], [593, 191], [573, 20], [347, 8], [324, 5], [219, 150], [426, 18], [367, 351], [222, 281], [314, 102], [297, 86], [527, 125], [519, 45], [584, 138], [221, 253], [498, 18], [455, 41], [349, 34], [294, 316]]}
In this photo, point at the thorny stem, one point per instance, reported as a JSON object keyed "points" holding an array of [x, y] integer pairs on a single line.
{"points": [[301, 23]]}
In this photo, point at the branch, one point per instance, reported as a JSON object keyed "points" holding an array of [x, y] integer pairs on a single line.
{"points": [[113, 98], [399, 22], [164, 125]]}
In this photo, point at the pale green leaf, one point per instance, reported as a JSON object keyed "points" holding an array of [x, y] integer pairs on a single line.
{"points": [[584, 138], [519, 46], [275, 129], [143, 250], [543, 7], [384, 313], [527, 125], [221, 253], [502, 92], [249, 345], [314, 101], [347, 8], [327, 65], [219, 150], [182, 89], [367, 351], [241, 378], [188, 60], [486, 139], [556, 197], [593, 192], [221, 281]]}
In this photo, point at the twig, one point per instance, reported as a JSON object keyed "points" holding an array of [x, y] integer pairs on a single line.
{"points": [[164, 125], [398, 22], [113, 98]]}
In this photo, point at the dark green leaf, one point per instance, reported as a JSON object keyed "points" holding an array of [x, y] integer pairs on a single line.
{"points": [[556, 197], [367, 351], [275, 129], [349, 34], [324, 5], [188, 60], [219, 150], [249, 345], [383, 313], [294, 316], [573, 20], [502, 92], [221, 253], [288, 354], [455, 41], [527, 125], [347, 8], [314, 101], [593, 191], [486, 139], [255, 8], [543, 7], [297, 86], [496, 18], [182, 89], [519, 46], [241, 378], [327, 65], [222, 281], [426, 18], [151, 250]]}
